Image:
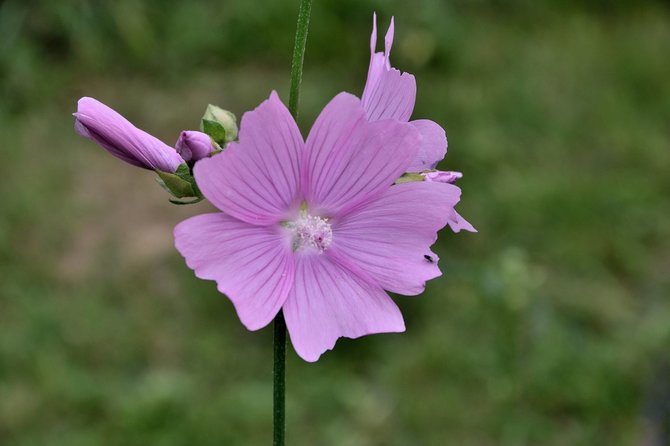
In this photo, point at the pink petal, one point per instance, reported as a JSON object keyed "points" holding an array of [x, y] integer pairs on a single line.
{"points": [[257, 178], [390, 238], [388, 93], [433, 145], [458, 223], [373, 36], [252, 265], [328, 301], [349, 160], [388, 40]]}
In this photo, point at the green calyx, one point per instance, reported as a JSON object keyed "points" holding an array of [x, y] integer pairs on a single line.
{"points": [[180, 184], [409, 177]]}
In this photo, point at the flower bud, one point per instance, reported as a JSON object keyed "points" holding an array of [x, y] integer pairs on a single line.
{"points": [[99, 123], [193, 145], [440, 176], [220, 124]]}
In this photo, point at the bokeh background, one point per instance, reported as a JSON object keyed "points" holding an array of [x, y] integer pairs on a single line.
{"points": [[551, 326]]}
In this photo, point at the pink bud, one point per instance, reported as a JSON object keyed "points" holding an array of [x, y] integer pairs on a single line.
{"points": [[193, 145], [440, 176], [99, 123]]}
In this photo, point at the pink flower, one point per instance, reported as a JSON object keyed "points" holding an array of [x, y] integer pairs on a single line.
{"points": [[390, 94], [193, 145], [96, 121], [317, 228]]}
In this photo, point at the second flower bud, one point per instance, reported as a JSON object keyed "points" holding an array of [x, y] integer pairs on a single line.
{"points": [[193, 145]]}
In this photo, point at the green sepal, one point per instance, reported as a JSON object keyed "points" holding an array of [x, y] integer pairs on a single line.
{"points": [[225, 129], [409, 177], [214, 129], [180, 184], [194, 201]]}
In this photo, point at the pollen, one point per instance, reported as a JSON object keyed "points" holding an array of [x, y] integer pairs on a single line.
{"points": [[310, 232]]}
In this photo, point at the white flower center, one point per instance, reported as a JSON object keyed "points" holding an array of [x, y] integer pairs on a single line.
{"points": [[310, 231]]}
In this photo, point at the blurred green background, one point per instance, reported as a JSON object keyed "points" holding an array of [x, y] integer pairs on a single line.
{"points": [[551, 326]]}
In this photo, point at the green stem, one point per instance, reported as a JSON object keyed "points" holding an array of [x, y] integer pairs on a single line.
{"points": [[279, 372], [279, 384], [299, 55]]}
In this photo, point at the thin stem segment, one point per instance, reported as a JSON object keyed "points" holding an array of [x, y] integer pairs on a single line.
{"points": [[279, 372], [279, 384], [299, 55]]}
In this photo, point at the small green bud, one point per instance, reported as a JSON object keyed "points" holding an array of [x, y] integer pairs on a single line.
{"points": [[219, 124]]}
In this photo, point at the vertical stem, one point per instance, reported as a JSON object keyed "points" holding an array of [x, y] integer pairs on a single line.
{"points": [[279, 372], [299, 55], [279, 382]]}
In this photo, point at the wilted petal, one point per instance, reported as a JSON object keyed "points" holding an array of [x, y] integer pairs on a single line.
{"points": [[458, 223], [433, 145], [193, 145], [349, 160], [252, 265], [390, 238], [329, 301], [96, 121], [388, 93], [257, 178]]}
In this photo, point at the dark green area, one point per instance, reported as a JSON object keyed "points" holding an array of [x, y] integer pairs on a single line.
{"points": [[551, 326]]}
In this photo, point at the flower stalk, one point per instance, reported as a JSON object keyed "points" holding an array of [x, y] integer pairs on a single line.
{"points": [[279, 325], [279, 382]]}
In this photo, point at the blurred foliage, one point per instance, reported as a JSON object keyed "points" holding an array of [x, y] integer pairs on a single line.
{"points": [[550, 326]]}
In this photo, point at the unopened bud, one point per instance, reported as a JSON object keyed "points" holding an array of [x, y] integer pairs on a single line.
{"points": [[193, 145], [220, 124]]}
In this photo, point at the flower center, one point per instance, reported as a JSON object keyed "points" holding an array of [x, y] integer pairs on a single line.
{"points": [[310, 231]]}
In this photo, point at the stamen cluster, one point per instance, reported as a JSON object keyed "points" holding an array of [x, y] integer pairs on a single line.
{"points": [[310, 231]]}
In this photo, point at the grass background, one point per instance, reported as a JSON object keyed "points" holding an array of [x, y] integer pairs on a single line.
{"points": [[551, 326]]}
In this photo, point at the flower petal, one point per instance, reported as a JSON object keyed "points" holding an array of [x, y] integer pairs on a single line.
{"points": [[98, 122], [349, 160], [252, 265], [257, 178], [329, 301], [388, 93], [433, 145], [390, 237]]}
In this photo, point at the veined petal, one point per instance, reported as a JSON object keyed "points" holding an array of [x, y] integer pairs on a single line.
{"points": [[256, 179], [433, 145], [390, 237], [388, 93], [252, 265], [328, 301], [98, 122], [349, 160]]}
